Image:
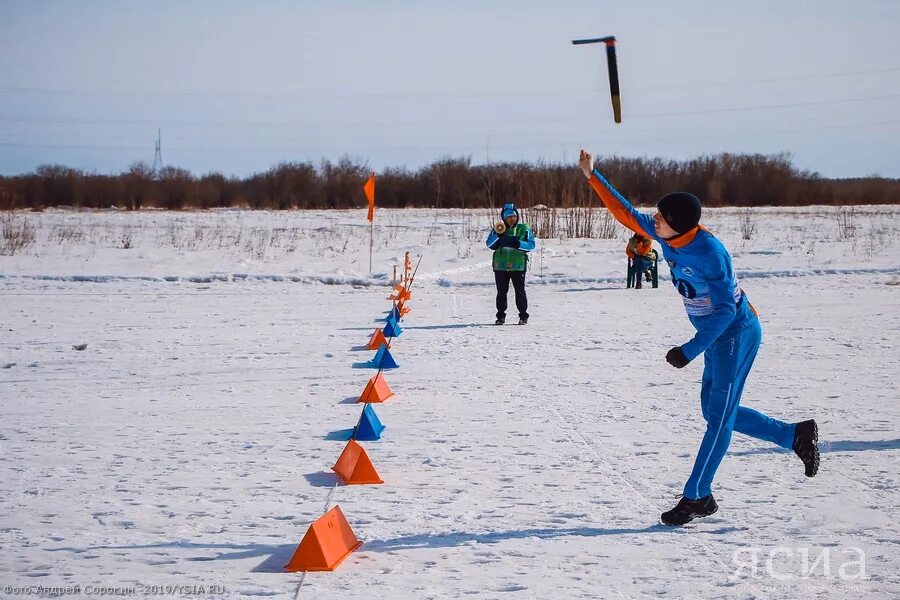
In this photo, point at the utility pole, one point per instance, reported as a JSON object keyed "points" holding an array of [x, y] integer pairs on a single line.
{"points": [[157, 156]]}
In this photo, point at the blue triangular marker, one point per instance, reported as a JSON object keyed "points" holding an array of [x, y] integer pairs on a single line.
{"points": [[383, 359], [394, 313], [392, 329], [369, 427]]}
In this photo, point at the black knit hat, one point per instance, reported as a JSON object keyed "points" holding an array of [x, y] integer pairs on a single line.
{"points": [[680, 210]]}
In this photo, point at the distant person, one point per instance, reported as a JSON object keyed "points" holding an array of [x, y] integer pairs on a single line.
{"points": [[511, 242], [638, 250], [728, 336]]}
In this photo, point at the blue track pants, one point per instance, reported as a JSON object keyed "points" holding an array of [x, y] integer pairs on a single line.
{"points": [[727, 363]]}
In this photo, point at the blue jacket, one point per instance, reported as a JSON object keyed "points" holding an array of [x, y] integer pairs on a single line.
{"points": [[506, 258], [700, 266]]}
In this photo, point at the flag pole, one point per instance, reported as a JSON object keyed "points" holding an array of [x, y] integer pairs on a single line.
{"points": [[369, 189]]}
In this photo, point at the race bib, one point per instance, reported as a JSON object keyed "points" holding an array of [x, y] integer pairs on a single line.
{"points": [[698, 307], [701, 306]]}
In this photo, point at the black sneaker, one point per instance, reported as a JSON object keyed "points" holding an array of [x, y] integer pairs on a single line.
{"points": [[806, 446], [686, 510], [500, 321], [523, 320]]}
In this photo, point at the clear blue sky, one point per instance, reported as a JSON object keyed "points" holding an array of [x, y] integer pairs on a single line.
{"points": [[239, 86]]}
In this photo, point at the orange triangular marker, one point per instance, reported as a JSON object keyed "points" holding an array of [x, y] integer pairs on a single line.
{"points": [[328, 541], [354, 466], [402, 294], [369, 189], [377, 390], [377, 340]]}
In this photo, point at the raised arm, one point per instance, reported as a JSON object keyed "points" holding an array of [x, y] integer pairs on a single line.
{"points": [[620, 208]]}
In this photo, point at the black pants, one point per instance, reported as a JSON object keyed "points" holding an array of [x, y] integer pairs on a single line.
{"points": [[502, 278]]}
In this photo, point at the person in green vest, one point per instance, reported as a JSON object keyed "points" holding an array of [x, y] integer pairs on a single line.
{"points": [[511, 242]]}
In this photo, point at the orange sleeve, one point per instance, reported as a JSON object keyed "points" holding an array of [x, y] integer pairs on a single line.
{"points": [[623, 212]]}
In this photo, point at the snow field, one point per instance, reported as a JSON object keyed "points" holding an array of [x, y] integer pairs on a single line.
{"points": [[191, 441]]}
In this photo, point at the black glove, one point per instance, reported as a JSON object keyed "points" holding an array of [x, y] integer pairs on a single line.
{"points": [[509, 241], [495, 245], [676, 358]]}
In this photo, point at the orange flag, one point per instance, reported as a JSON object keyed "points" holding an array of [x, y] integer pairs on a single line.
{"points": [[369, 189]]}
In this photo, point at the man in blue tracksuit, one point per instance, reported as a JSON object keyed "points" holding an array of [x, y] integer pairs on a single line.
{"points": [[728, 336]]}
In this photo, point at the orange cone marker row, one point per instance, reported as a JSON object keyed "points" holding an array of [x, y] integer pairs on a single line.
{"points": [[330, 539]]}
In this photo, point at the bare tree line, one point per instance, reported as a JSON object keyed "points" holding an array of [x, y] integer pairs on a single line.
{"points": [[450, 182]]}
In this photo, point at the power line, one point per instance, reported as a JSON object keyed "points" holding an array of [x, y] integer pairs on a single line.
{"points": [[432, 94], [646, 132], [729, 82], [531, 120], [768, 106], [472, 147]]}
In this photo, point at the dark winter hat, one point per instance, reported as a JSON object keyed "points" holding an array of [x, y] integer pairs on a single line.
{"points": [[680, 210]]}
